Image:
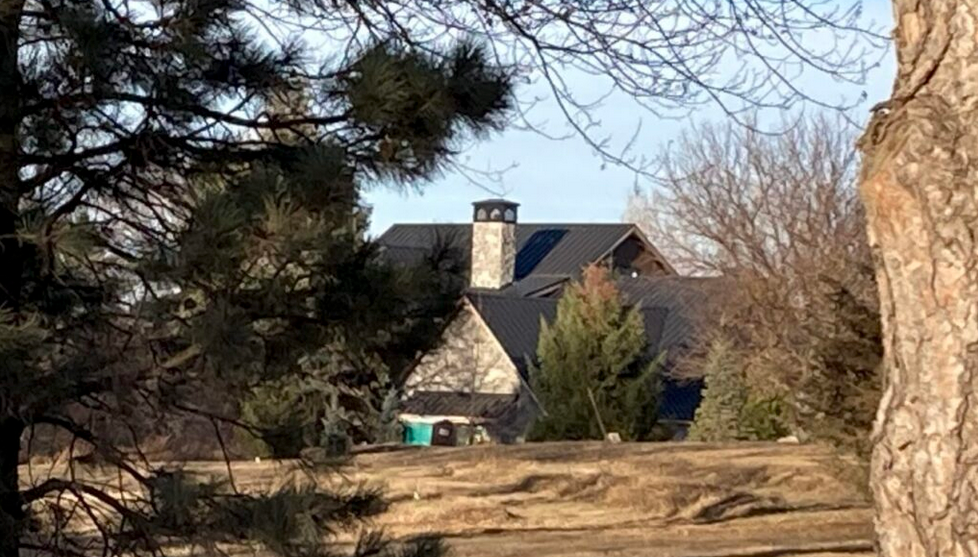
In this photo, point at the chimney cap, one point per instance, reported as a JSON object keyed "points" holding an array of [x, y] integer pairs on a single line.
{"points": [[494, 210]]}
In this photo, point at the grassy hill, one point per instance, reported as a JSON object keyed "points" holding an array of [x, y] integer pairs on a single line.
{"points": [[586, 499]]}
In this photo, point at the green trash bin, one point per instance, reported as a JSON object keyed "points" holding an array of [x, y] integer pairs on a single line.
{"points": [[417, 433]]}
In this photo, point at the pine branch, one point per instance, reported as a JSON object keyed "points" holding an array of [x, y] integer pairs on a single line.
{"points": [[90, 101], [112, 455]]}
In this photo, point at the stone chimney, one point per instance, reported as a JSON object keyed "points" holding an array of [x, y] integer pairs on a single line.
{"points": [[493, 243]]}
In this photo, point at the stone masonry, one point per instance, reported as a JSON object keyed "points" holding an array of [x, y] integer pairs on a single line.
{"points": [[493, 254]]}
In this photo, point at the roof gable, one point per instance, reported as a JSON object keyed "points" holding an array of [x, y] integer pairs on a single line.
{"points": [[515, 322]]}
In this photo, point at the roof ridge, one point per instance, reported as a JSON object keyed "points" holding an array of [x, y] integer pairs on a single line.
{"points": [[535, 223], [430, 223], [549, 301], [672, 278], [504, 296]]}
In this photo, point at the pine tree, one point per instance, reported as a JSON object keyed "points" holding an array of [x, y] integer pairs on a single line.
{"points": [[731, 410], [842, 392], [168, 245], [725, 395], [594, 349]]}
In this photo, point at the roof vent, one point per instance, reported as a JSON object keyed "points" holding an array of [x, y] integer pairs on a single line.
{"points": [[495, 210], [493, 243]]}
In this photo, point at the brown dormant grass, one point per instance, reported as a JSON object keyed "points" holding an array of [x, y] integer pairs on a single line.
{"points": [[585, 499]]}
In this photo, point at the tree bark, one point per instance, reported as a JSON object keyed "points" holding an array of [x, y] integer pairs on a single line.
{"points": [[11, 509], [11, 266], [919, 183], [11, 269]]}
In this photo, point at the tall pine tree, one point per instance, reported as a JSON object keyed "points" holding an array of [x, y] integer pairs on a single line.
{"points": [[164, 249], [593, 369]]}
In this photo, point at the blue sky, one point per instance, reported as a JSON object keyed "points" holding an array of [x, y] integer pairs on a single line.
{"points": [[564, 180]]}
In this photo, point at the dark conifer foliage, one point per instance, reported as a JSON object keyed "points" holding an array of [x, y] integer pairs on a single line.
{"points": [[595, 375], [181, 224]]}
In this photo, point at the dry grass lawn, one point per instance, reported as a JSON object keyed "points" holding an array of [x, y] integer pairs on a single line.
{"points": [[587, 499]]}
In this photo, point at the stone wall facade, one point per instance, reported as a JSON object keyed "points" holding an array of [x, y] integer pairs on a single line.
{"points": [[470, 359]]}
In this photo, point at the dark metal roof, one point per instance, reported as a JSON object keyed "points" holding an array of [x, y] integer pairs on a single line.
{"points": [[404, 255], [534, 285], [515, 322], [542, 249], [687, 299], [486, 406], [670, 309], [536, 248]]}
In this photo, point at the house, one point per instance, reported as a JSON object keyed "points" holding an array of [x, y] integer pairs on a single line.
{"points": [[479, 376]]}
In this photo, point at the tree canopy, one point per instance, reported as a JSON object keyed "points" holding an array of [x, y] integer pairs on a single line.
{"points": [[778, 216], [171, 235], [180, 224]]}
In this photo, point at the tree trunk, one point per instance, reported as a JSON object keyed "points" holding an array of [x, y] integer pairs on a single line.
{"points": [[11, 510], [10, 186], [920, 186], [11, 265]]}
